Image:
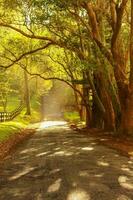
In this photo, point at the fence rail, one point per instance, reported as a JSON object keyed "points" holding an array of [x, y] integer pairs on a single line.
{"points": [[8, 116]]}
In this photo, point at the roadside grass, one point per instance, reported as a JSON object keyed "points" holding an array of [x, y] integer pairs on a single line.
{"points": [[72, 117], [27, 119], [14, 132], [8, 129], [21, 122]]}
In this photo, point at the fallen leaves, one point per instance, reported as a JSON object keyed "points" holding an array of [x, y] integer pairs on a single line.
{"points": [[7, 146]]}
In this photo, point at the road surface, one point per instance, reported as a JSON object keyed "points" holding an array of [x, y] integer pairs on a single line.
{"points": [[60, 164]]}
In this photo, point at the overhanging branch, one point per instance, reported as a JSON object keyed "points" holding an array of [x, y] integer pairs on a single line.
{"points": [[31, 36], [26, 54]]}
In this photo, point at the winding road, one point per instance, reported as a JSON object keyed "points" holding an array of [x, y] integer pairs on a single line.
{"points": [[60, 164]]}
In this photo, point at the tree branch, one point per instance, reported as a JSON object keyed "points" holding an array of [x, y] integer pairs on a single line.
{"points": [[26, 54], [31, 36], [119, 11]]}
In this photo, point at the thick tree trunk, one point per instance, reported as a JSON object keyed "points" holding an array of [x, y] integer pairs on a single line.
{"points": [[117, 56], [127, 118], [127, 112], [109, 115], [97, 117], [82, 112]]}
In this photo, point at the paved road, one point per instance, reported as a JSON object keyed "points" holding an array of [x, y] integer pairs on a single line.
{"points": [[58, 164]]}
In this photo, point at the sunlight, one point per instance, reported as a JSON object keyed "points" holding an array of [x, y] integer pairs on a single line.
{"points": [[51, 143], [60, 153], [99, 175], [103, 139], [28, 150], [57, 148], [55, 186], [74, 184], [78, 194], [38, 197], [101, 163], [87, 148], [47, 124], [66, 142], [68, 154], [55, 171], [25, 171], [124, 181], [125, 169], [83, 174], [93, 143], [65, 153], [42, 154], [18, 162], [130, 162], [24, 157], [123, 197]]}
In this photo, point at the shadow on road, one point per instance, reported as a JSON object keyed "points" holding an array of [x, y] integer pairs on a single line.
{"points": [[58, 164]]}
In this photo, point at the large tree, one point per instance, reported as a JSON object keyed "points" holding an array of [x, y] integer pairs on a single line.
{"points": [[97, 32]]}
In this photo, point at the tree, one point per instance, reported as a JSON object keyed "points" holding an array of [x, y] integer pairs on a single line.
{"points": [[78, 27]]}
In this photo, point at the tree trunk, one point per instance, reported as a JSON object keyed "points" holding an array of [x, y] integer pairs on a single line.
{"points": [[27, 94], [77, 101], [86, 89], [97, 117], [127, 112], [109, 115], [87, 111], [127, 118]]}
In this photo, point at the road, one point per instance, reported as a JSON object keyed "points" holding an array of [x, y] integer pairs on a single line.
{"points": [[60, 164]]}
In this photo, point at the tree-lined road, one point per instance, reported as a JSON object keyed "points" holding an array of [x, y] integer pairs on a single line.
{"points": [[59, 164]]}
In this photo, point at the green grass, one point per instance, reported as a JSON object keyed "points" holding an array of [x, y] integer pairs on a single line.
{"points": [[25, 119], [72, 117], [7, 129]]}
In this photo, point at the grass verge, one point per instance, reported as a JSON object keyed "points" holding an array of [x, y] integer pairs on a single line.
{"points": [[8, 129], [11, 134], [72, 117]]}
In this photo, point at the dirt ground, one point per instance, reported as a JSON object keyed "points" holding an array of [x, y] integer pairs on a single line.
{"points": [[122, 143], [60, 164], [9, 145]]}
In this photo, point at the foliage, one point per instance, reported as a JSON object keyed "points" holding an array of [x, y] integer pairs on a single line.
{"points": [[70, 41], [72, 117]]}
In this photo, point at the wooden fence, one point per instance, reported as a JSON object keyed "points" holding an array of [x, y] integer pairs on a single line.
{"points": [[8, 116]]}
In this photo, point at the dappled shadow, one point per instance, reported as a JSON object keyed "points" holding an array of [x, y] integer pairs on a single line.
{"points": [[58, 164]]}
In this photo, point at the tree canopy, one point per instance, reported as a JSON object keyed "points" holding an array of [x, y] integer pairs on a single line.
{"points": [[88, 44]]}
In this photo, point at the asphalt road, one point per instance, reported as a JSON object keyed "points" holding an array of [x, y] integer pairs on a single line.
{"points": [[59, 164]]}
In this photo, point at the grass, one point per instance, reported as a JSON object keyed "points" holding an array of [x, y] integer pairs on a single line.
{"points": [[26, 119], [7, 129], [72, 117]]}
